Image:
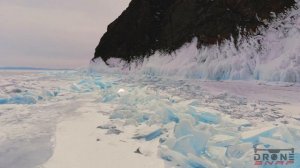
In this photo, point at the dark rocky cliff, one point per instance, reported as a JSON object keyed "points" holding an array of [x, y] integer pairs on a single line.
{"points": [[165, 25]]}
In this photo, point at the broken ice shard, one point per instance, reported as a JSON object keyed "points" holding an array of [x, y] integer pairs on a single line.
{"points": [[254, 135], [150, 136]]}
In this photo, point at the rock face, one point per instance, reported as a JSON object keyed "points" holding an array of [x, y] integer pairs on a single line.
{"points": [[165, 25]]}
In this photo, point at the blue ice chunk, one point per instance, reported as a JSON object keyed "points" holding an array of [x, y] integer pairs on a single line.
{"points": [[221, 73], [194, 113], [49, 94], [190, 139], [3, 101], [116, 115], [194, 164], [205, 117], [194, 75], [109, 97], [256, 75], [210, 118], [239, 150], [184, 145], [183, 128], [193, 143], [151, 135], [82, 81], [254, 135], [167, 157], [22, 100], [169, 116], [102, 85], [122, 114], [75, 87], [277, 143], [143, 118], [290, 76], [83, 86]]}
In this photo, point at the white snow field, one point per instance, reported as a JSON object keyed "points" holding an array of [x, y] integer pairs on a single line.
{"points": [[82, 119]]}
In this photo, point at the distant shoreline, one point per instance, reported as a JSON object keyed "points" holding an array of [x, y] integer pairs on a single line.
{"points": [[32, 68]]}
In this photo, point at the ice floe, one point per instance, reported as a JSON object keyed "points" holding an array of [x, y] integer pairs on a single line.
{"points": [[193, 127]]}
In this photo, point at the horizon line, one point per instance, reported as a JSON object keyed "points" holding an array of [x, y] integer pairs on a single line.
{"points": [[30, 68]]}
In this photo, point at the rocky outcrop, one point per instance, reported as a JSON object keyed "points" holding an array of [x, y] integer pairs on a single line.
{"points": [[165, 25]]}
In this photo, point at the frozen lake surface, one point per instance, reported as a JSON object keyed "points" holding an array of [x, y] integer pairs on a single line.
{"points": [[80, 119]]}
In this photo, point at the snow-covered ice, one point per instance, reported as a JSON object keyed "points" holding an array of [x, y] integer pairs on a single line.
{"points": [[85, 119], [196, 108]]}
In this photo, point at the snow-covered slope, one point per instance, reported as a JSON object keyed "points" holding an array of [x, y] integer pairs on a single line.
{"points": [[271, 55]]}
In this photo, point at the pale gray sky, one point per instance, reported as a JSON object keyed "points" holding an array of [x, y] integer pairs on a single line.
{"points": [[53, 33]]}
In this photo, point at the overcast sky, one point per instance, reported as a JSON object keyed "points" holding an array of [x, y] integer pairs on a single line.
{"points": [[53, 33]]}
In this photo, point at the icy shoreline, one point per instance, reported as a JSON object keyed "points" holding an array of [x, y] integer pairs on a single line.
{"points": [[270, 54]]}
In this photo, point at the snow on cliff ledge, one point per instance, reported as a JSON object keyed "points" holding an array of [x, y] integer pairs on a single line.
{"points": [[272, 55]]}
